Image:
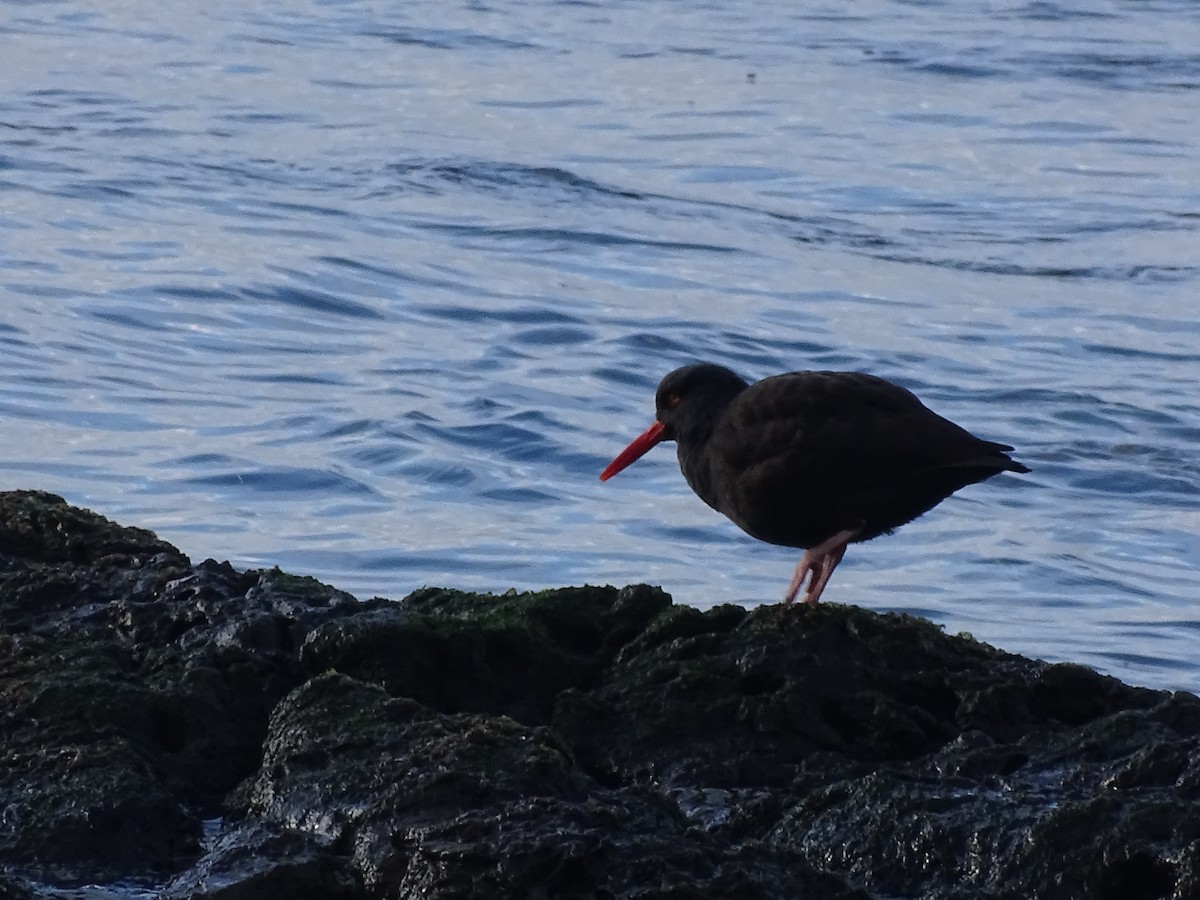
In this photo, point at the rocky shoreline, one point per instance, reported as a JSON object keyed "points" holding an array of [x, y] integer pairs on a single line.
{"points": [[210, 733]]}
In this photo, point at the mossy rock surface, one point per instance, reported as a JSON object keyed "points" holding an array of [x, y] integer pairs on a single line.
{"points": [[577, 742]]}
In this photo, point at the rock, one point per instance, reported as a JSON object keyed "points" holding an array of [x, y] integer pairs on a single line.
{"points": [[14, 888], [454, 805], [580, 742], [136, 686], [456, 651], [257, 860]]}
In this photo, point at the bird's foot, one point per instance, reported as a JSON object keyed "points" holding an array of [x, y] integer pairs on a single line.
{"points": [[819, 562]]}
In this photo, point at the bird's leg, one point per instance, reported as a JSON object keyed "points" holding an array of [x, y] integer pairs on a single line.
{"points": [[820, 561]]}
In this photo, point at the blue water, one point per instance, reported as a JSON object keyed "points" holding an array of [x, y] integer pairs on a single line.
{"points": [[374, 292]]}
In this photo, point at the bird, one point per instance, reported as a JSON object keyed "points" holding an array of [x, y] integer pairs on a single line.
{"points": [[812, 460]]}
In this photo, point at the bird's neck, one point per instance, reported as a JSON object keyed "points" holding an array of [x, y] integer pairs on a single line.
{"points": [[695, 460]]}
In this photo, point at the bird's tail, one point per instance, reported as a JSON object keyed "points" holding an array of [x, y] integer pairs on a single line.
{"points": [[998, 460]]}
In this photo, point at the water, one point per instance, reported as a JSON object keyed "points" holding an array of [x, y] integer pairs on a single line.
{"points": [[374, 293]]}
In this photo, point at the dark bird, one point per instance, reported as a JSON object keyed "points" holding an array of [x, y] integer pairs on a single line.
{"points": [[817, 460]]}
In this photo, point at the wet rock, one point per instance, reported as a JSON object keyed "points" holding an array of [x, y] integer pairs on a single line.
{"points": [[257, 860], [581, 742], [457, 805], [461, 652], [14, 888], [136, 687]]}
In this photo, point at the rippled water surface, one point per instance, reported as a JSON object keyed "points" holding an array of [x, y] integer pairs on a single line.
{"points": [[373, 292]]}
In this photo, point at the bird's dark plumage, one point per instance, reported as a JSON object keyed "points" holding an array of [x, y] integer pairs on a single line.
{"points": [[807, 459]]}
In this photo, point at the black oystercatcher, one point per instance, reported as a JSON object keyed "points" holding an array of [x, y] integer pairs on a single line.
{"points": [[817, 460]]}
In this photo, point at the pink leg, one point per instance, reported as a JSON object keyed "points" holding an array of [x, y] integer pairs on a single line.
{"points": [[820, 560]]}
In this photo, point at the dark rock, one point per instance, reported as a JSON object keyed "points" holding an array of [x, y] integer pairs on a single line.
{"points": [[136, 687], [14, 888], [257, 860], [460, 652], [582, 742], [465, 805]]}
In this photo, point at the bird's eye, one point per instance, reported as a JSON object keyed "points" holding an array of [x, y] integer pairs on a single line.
{"points": [[673, 400]]}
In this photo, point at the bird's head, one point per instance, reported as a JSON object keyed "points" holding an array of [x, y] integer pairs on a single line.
{"points": [[687, 404]]}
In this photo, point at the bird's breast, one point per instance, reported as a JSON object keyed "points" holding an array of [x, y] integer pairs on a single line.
{"points": [[764, 494]]}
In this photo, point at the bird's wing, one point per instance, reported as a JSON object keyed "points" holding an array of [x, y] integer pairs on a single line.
{"points": [[848, 421], [817, 441]]}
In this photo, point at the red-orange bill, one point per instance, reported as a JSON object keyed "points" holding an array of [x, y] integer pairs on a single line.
{"points": [[639, 445]]}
